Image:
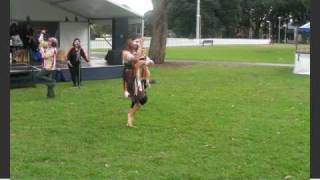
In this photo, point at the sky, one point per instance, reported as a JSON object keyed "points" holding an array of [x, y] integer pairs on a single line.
{"points": [[139, 6]]}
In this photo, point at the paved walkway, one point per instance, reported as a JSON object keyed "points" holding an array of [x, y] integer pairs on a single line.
{"points": [[98, 58], [231, 63]]}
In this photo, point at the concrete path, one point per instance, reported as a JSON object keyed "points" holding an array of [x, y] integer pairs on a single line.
{"points": [[231, 63], [98, 58]]}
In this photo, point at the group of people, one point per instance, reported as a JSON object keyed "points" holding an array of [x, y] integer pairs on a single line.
{"points": [[21, 41], [48, 50], [41, 48], [135, 72]]}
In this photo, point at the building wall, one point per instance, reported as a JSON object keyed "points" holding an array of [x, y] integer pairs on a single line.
{"points": [[71, 30], [39, 11]]}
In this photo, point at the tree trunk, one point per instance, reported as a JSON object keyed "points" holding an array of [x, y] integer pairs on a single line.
{"points": [[256, 31], [158, 43]]}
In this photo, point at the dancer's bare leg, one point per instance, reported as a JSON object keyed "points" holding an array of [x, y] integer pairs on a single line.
{"points": [[125, 89], [131, 114]]}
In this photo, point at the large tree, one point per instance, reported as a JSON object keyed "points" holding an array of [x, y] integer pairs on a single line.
{"points": [[219, 18], [255, 13], [182, 15], [234, 18], [297, 10], [229, 14], [211, 26], [158, 43]]}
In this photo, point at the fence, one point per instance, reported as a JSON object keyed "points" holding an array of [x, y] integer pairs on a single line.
{"points": [[171, 42]]}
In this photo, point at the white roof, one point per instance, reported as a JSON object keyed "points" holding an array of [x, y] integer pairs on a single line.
{"points": [[94, 9], [58, 10]]}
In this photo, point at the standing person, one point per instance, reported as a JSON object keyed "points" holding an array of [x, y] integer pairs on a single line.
{"points": [[131, 55], [74, 61], [49, 53], [27, 35], [16, 41], [15, 35]]}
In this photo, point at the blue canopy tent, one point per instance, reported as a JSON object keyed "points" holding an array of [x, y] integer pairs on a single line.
{"points": [[305, 28], [302, 55]]}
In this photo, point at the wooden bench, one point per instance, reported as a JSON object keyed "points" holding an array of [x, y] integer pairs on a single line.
{"points": [[208, 41]]}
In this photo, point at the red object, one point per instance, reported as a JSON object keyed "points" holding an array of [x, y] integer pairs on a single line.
{"points": [[53, 39]]}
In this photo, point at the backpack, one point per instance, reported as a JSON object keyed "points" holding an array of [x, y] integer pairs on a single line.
{"points": [[36, 55]]}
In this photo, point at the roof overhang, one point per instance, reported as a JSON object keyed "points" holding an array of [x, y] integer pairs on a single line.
{"points": [[95, 9], [59, 10]]}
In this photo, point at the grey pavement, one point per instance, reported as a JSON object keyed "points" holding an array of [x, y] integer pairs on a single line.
{"points": [[97, 59], [232, 63]]}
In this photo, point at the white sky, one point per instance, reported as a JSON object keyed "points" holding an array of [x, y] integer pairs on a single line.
{"points": [[139, 6]]}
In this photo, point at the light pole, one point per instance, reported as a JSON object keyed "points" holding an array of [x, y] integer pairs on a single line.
{"points": [[279, 28], [285, 33], [200, 28], [291, 26], [198, 20], [269, 29], [142, 27]]}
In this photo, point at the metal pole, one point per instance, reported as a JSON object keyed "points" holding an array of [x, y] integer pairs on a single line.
{"points": [[89, 40], [269, 29], [296, 37], [279, 29], [200, 36], [198, 20], [79, 74], [285, 33], [142, 27]]}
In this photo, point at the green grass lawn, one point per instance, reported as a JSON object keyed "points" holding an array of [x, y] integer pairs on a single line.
{"points": [[201, 122], [274, 53]]}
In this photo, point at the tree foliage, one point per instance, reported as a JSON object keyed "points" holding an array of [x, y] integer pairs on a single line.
{"points": [[221, 18]]}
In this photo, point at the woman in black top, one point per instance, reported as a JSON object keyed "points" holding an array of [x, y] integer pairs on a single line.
{"points": [[74, 61]]}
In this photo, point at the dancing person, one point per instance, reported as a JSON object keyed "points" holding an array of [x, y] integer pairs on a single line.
{"points": [[133, 55], [48, 51]]}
